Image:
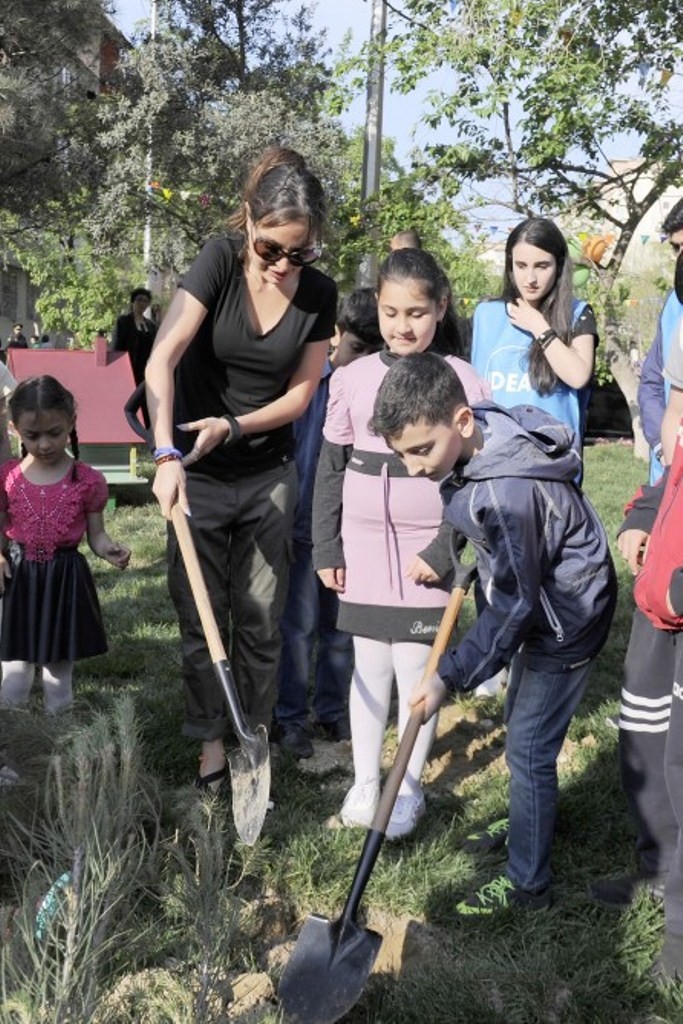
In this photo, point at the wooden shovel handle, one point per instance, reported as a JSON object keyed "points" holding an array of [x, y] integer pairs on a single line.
{"points": [[197, 584], [405, 747]]}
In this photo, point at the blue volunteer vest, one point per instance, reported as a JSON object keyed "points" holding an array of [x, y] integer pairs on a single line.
{"points": [[499, 354], [668, 324]]}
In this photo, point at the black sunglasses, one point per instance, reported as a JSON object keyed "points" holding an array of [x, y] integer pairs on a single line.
{"points": [[271, 252], [677, 247]]}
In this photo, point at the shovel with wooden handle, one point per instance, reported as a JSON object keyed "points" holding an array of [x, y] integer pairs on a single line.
{"points": [[250, 764], [332, 960]]}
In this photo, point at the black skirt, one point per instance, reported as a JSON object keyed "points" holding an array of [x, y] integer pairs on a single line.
{"points": [[51, 612]]}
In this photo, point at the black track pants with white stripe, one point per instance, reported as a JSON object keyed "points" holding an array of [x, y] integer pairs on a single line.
{"points": [[643, 728], [673, 761]]}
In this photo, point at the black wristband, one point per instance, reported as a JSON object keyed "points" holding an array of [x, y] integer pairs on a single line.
{"points": [[546, 338], [235, 430]]}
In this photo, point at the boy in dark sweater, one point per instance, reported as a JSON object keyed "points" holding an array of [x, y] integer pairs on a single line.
{"points": [[507, 483]]}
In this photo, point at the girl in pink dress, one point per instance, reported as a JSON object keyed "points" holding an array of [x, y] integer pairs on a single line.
{"points": [[48, 501], [378, 539]]}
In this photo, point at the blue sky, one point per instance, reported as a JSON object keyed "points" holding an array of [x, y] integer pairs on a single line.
{"points": [[401, 113]]}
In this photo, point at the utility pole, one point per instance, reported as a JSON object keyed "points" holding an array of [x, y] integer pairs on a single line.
{"points": [[147, 235], [372, 143]]}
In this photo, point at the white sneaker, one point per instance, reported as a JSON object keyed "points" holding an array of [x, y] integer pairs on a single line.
{"points": [[407, 812], [493, 686], [360, 804]]}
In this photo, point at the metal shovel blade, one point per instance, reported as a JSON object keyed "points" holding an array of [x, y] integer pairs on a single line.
{"points": [[327, 970], [250, 782], [330, 963], [250, 765]]}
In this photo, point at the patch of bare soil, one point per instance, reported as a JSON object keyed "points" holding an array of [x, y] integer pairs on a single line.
{"points": [[467, 741]]}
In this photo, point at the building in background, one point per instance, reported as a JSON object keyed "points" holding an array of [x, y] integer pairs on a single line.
{"points": [[87, 71]]}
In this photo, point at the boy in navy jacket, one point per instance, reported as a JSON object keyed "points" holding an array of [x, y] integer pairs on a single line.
{"points": [[544, 564]]}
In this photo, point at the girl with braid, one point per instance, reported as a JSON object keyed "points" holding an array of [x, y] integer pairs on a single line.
{"points": [[48, 501]]}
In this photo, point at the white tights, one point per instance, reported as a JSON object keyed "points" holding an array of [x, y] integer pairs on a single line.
{"points": [[18, 676], [376, 664]]}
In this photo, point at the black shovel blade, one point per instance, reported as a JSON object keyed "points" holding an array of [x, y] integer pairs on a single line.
{"points": [[326, 972]]}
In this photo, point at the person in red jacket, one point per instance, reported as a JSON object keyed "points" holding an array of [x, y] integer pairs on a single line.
{"points": [[643, 727], [659, 595]]}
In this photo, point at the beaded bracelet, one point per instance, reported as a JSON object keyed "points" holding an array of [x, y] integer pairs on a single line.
{"points": [[546, 338], [166, 451], [235, 429], [167, 458]]}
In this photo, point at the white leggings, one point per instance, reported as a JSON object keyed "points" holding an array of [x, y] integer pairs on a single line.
{"points": [[376, 664], [18, 676]]}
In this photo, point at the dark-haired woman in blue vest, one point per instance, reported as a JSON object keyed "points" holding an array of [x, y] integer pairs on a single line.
{"points": [[536, 344]]}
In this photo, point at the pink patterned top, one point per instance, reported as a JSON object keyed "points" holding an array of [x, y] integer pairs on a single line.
{"points": [[44, 517]]}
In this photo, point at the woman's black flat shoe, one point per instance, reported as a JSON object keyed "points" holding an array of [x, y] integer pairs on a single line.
{"points": [[212, 781]]}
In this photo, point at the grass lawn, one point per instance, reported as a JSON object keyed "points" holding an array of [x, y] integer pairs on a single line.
{"points": [[162, 910]]}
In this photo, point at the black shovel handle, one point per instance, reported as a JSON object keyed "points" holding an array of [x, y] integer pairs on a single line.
{"points": [[377, 830], [131, 410]]}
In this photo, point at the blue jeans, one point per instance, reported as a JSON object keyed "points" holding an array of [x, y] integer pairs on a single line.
{"points": [[311, 615], [538, 709]]}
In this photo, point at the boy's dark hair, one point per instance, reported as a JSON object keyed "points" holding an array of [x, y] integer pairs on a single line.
{"points": [[358, 315], [674, 219], [44, 394], [421, 386], [141, 291]]}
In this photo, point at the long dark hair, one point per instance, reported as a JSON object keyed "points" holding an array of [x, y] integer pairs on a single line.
{"points": [[556, 306], [44, 394], [280, 189], [420, 265]]}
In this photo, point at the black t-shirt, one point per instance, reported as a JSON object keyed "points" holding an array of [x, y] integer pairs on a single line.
{"points": [[231, 368], [585, 323]]}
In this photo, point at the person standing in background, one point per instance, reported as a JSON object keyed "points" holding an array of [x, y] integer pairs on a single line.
{"points": [[134, 333], [654, 388], [309, 624], [536, 343], [378, 540]]}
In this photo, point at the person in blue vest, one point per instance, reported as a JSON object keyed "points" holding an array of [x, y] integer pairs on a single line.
{"points": [[536, 344], [654, 388]]}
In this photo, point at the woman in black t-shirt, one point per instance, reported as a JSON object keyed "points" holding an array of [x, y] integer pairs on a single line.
{"points": [[237, 359]]}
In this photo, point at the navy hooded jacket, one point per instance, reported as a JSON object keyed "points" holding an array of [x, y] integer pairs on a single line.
{"points": [[542, 554]]}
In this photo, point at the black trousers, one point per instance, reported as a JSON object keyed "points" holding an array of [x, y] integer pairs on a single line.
{"points": [[242, 531], [673, 894], [643, 730]]}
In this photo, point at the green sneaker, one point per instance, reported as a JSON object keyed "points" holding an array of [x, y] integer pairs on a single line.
{"points": [[492, 838], [502, 894]]}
